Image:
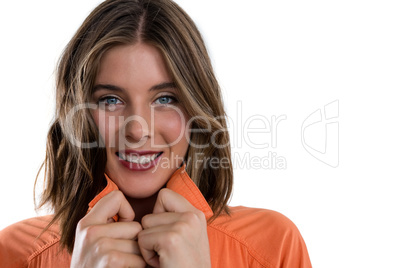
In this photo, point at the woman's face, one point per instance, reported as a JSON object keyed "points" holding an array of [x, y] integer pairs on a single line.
{"points": [[139, 118]]}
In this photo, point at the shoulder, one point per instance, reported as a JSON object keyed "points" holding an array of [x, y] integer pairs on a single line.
{"points": [[268, 236], [25, 243]]}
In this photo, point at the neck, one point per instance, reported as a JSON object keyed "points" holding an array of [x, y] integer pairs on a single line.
{"points": [[142, 206]]}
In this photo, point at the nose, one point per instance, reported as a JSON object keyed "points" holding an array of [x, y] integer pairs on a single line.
{"points": [[136, 128]]}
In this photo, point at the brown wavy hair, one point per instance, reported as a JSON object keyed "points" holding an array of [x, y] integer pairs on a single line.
{"points": [[74, 175]]}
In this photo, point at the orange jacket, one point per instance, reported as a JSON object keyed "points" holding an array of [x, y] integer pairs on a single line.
{"points": [[249, 237]]}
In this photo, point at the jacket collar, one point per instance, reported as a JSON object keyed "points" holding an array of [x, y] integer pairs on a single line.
{"points": [[180, 182]]}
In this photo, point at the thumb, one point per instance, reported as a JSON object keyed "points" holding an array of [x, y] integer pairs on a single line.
{"points": [[170, 201], [106, 208]]}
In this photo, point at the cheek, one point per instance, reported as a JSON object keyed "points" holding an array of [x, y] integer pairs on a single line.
{"points": [[105, 126], [172, 127]]}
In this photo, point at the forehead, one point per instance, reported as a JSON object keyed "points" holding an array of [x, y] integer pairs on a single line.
{"points": [[137, 65]]}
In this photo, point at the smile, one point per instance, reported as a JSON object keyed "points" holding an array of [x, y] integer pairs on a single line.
{"points": [[132, 158], [139, 161]]}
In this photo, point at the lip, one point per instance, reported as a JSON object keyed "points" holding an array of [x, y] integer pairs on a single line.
{"points": [[138, 166], [138, 153]]}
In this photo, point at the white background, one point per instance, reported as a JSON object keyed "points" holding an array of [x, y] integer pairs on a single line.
{"points": [[278, 58]]}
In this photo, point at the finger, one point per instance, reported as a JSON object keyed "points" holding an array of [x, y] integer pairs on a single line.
{"points": [[151, 220], [156, 229], [155, 243], [148, 243], [118, 230], [110, 205], [181, 223], [122, 245], [169, 201], [122, 259], [170, 231]]}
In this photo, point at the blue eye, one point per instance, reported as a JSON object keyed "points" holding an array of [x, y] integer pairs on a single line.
{"points": [[109, 100], [166, 100]]}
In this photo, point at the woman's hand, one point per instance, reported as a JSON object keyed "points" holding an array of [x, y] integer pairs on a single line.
{"points": [[100, 242], [175, 235]]}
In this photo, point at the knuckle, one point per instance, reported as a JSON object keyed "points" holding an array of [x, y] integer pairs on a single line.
{"points": [[140, 238], [163, 192], [194, 218], [117, 194], [112, 259], [80, 225], [116, 259], [137, 225], [83, 223], [100, 246], [145, 221], [181, 227], [140, 263], [200, 215], [191, 217], [171, 239], [91, 233]]}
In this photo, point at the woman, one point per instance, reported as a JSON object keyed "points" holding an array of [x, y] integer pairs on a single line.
{"points": [[138, 167]]}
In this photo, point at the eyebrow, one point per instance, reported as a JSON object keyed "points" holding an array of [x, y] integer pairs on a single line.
{"points": [[157, 87]]}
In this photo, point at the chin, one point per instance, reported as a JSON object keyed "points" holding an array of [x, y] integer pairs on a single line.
{"points": [[138, 186], [140, 193]]}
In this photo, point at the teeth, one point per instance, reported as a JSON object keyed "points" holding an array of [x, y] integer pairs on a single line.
{"points": [[138, 160]]}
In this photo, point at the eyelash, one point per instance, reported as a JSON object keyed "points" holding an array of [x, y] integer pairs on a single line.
{"points": [[174, 100], [104, 99]]}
